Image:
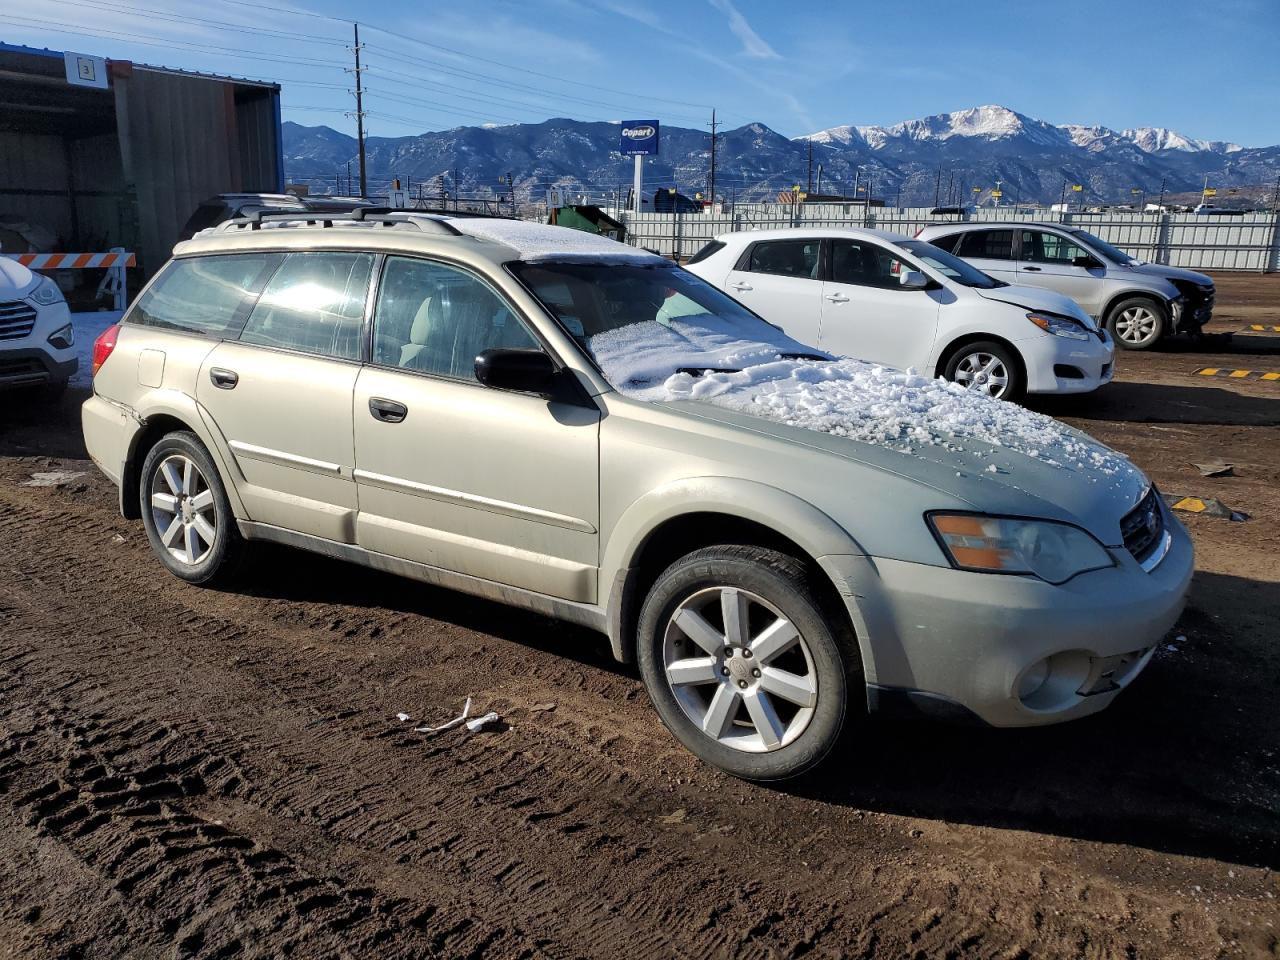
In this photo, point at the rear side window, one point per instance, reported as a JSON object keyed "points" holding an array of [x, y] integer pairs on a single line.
{"points": [[948, 242], [786, 258], [715, 246], [314, 303], [987, 244], [205, 295]]}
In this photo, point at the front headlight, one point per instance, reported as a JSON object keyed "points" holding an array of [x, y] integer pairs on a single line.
{"points": [[1059, 326], [46, 294], [1054, 552]]}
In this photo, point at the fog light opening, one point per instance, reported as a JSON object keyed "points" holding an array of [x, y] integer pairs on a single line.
{"points": [[1032, 680]]}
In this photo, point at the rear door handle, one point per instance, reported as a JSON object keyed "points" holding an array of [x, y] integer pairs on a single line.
{"points": [[223, 379], [1031, 269], [740, 286], [837, 298], [388, 411]]}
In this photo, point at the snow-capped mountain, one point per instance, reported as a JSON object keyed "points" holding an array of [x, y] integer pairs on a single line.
{"points": [[942, 158]]}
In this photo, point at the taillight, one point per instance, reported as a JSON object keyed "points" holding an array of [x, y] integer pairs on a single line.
{"points": [[103, 346]]}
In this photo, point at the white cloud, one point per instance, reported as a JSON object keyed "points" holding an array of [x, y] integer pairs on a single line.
{"points": [[753, 45]]}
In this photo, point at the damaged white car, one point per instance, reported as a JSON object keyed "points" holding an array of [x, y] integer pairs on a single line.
{"points": [[779, 538]]}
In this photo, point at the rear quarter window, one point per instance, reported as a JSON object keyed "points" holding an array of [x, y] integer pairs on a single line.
{"points": [[210, 296], [947, 241], [714, 247]]}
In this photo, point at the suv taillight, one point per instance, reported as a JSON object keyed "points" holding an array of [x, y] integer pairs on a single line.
{"points": [[103, 346]]}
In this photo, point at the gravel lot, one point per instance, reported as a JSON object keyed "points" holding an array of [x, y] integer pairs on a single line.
{"points": [[185, 772]]}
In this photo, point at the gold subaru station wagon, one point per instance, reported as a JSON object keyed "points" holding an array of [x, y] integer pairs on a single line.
{"points": [[777, 537]]}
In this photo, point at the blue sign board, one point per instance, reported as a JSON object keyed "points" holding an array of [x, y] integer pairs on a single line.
{"points": [[638, 138]]}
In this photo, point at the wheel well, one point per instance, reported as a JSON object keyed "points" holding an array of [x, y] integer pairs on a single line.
{"points": [[1132, 295], [681, 535], [968, 338], [156, 428]]}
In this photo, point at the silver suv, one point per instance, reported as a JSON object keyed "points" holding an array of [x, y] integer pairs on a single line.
{"points": [[1137, 302], [563, 423]]}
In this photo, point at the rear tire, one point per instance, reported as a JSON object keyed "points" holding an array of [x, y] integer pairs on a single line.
{"points": [[987, 367], [742, 663], [1136, 323], [186, 512]]}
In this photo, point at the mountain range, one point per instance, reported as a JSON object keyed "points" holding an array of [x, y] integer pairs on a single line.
{"points": [[917, 162]]}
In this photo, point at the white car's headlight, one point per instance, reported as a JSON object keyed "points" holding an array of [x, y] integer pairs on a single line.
{"points": [[1059, 326], [46, 294], [1054, 552]]}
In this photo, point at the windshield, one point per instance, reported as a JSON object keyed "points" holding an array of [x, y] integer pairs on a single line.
{"points": [[1112, 253], [645, 323], [953, 268]]}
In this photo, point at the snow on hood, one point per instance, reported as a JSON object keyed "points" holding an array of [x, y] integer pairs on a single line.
{"points": [[539, 241], [15, 279], [843, 397]]}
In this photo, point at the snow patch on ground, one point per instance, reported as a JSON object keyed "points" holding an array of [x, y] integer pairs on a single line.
{"points": [[840, 396], [539, 241], [87, 326]]}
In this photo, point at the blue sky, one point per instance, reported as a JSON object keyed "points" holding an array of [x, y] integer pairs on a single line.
{"points": [[1207, 70]]}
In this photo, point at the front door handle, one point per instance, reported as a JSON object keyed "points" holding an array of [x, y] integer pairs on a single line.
{"points": [[740, 286], [1031, 269], [388, 411], [223, 379], [837, 298]]}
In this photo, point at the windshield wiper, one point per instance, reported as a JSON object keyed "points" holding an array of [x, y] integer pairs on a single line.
{"points": [[803, 356], [701, 371]]}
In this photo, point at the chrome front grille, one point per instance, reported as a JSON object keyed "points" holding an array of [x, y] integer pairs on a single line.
{"points": [[1143, 527], [17, 320]]}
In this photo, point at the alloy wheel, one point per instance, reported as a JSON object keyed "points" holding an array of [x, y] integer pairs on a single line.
{"points": [[739, 669], [1137, 325], [984, 373], [183, 509]]}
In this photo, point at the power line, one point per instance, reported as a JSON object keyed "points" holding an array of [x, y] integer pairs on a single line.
{"points": [[169, 16]]}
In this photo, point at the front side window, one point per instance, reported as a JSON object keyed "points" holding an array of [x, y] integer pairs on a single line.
{"points": [[437, 319], [205, 295], [1040, 247], [988, 245], [314, 303], [865, 264], [786, 258]]}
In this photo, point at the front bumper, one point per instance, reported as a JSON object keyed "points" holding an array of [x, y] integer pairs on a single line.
{"points": [[966, 642], [1062, 365], [32, 366]]}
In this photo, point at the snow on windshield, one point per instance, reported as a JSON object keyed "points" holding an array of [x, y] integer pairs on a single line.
{"points": [[841, 396]]}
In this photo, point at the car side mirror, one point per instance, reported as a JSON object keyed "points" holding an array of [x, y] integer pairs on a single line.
{"points": [[913, 280], [1086, 261], [526, 371]]}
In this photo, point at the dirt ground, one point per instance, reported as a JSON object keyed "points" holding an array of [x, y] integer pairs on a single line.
{"points": [[192, 773]]}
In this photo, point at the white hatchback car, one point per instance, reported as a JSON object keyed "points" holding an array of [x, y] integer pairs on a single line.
{"points": [[905, 303]]}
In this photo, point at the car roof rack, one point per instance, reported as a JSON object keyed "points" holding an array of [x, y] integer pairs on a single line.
{"points": [[385, 216]]}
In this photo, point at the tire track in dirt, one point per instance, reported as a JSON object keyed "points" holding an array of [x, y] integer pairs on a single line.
{"points": [[582, 831]]}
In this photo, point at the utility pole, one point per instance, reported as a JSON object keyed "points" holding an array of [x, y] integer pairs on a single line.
{"points": [[711, 181], [364, 184], [809, 188], [937, 187]]}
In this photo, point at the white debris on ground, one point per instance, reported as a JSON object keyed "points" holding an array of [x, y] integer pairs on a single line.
{"points": [[843, 397], [53, 478], [403, 717], [538, 241], [87, 326], [474, 724]]}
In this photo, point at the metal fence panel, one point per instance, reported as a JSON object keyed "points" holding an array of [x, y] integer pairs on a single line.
{"points": [[1250, 242]]}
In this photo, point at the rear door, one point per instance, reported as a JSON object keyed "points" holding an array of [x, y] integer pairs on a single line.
{"points": [[780, 280], [281, 395], [868, 314], [494, 484], [991, 251], [1049, 259]]}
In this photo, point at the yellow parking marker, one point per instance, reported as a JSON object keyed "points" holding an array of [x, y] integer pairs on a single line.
{"points": [[1269, 375], [1261, 328], [1190, 504]]}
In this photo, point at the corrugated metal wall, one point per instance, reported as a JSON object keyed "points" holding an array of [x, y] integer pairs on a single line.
{"points": [[181, 140], [1249, 242]]}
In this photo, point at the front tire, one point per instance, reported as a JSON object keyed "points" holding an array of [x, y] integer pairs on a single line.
{"points": [[987, 367], [186, 512], [742, 664], [1136, 323]]}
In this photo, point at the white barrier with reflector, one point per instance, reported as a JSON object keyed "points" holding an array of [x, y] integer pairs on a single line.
{"points": [[114, 261]]}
